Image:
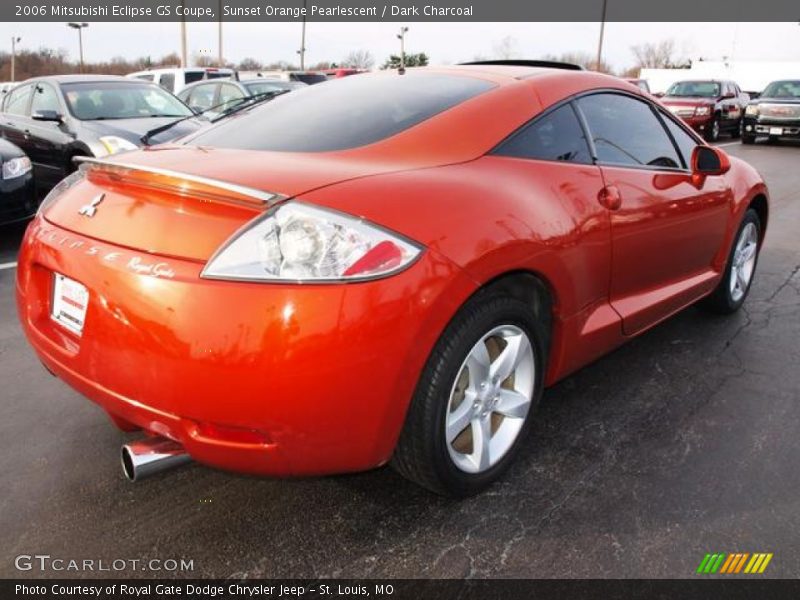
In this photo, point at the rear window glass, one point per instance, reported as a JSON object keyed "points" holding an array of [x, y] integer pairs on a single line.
{"points": [[192, 76], [309, 78], [343, 113], [218, 74]]}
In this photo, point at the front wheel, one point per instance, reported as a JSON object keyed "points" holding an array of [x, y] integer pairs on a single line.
{"points": [[712, 132], [734, 286], [748, 139], [475, 398]]}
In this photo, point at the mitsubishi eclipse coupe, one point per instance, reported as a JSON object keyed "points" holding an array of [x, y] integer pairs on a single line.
{"points": [[387, 268]]}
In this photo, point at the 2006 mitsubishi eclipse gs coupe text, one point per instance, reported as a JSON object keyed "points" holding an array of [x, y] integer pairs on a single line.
{"points": [[382, 268]]}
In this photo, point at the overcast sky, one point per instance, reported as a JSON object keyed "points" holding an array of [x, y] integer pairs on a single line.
{"points": [[444, 42]]}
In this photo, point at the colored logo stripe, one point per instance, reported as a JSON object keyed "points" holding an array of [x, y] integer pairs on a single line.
{"points": [[737, 562]]}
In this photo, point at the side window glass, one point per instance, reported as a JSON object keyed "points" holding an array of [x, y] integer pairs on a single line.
{"points": [[45, 98], [202, 97], [686, 143], [556, 136], [229, 96], [17, 102], [625, 131], [167, 81]]}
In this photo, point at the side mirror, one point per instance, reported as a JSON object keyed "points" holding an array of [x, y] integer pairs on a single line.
{"points": [[729, 95], [709, 160], [196, 109], [47, 115], [659, 94]]}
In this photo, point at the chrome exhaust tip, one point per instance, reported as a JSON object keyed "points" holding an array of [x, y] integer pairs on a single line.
{"points": [[152, 455]]}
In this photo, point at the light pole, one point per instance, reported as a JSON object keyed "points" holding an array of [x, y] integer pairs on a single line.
{"points": [[602, 31], [220, 59], [302, 51], [402, 37], [14, 40], [184, 61], [79, 27]]}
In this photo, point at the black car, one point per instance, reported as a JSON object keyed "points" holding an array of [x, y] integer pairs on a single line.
{"points": [[53, 119], [775, 114], [17, 194]]}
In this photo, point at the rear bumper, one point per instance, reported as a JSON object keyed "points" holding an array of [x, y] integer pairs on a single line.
{"points": [[322, 373]]}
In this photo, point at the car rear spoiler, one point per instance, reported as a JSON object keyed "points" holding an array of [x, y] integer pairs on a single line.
{"points": [[184, 184]]}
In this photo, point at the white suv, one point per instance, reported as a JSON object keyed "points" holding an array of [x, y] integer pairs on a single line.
{"points": [[175, 79]]}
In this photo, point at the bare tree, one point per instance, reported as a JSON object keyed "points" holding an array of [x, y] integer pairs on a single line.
{"points": [[359, 59], [506, 48], [655, 55], [249, 64]]}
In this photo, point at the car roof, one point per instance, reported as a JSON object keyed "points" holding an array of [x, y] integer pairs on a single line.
{"points": [[82, 78]]}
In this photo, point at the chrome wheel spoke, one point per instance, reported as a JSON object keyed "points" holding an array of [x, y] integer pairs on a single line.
{"points": [[478, 364], [458, 420], [508, 361], [512, 404], [481, 442]]}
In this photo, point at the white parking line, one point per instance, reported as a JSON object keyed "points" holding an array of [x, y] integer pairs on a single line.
{"points": [[727, 144], [10, 265]]}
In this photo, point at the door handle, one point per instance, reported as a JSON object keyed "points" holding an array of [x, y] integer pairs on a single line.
{"points": [[610, 197]]}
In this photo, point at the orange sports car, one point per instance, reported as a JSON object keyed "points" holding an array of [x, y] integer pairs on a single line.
{"points": [[387, 268]]}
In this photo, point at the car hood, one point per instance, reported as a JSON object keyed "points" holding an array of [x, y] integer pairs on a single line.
{"points": [[768, 100], [133, 129]]}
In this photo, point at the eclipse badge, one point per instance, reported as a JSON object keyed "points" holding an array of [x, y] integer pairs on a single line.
{"points": [[88, 210]]}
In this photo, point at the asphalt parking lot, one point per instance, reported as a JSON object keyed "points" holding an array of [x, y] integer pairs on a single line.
{"points": [[683, 442]]}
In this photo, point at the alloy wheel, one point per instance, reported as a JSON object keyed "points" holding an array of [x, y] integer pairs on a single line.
{"points": [[490, 399], [744, 261]]}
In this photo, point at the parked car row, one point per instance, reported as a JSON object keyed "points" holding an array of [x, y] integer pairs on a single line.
{"points": [[712, 107], [47, 122]]}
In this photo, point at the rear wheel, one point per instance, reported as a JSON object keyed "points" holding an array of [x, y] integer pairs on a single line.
{"points": [[734, 286], [475, 399]]}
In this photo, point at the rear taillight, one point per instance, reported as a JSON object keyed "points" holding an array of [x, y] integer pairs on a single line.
{"points": [[296, 242]]}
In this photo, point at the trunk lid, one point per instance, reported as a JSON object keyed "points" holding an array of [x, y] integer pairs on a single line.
{"points": [[184, 201]]}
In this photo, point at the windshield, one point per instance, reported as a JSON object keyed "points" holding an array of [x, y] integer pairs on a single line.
{"points": [[121, 100], [344, 113], [701, 89], [782, 89]]}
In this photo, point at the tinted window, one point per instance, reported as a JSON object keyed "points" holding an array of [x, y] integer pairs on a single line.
{"points": [[555, 136], [625, 131], [343, 113], [17, 100], [217, 74], [686, 143], [167, 81], [45, 98], [192, 76], [309, 78]]}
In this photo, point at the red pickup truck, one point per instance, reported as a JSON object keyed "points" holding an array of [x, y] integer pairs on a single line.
{"points": [[708, 106]]}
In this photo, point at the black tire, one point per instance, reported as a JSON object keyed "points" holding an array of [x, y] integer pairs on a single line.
{"points": [[721, 300], [422, 454], [748, 139], [712, 133]]}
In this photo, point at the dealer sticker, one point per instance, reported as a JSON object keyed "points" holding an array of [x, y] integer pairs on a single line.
{"points": [[70, 301]]}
